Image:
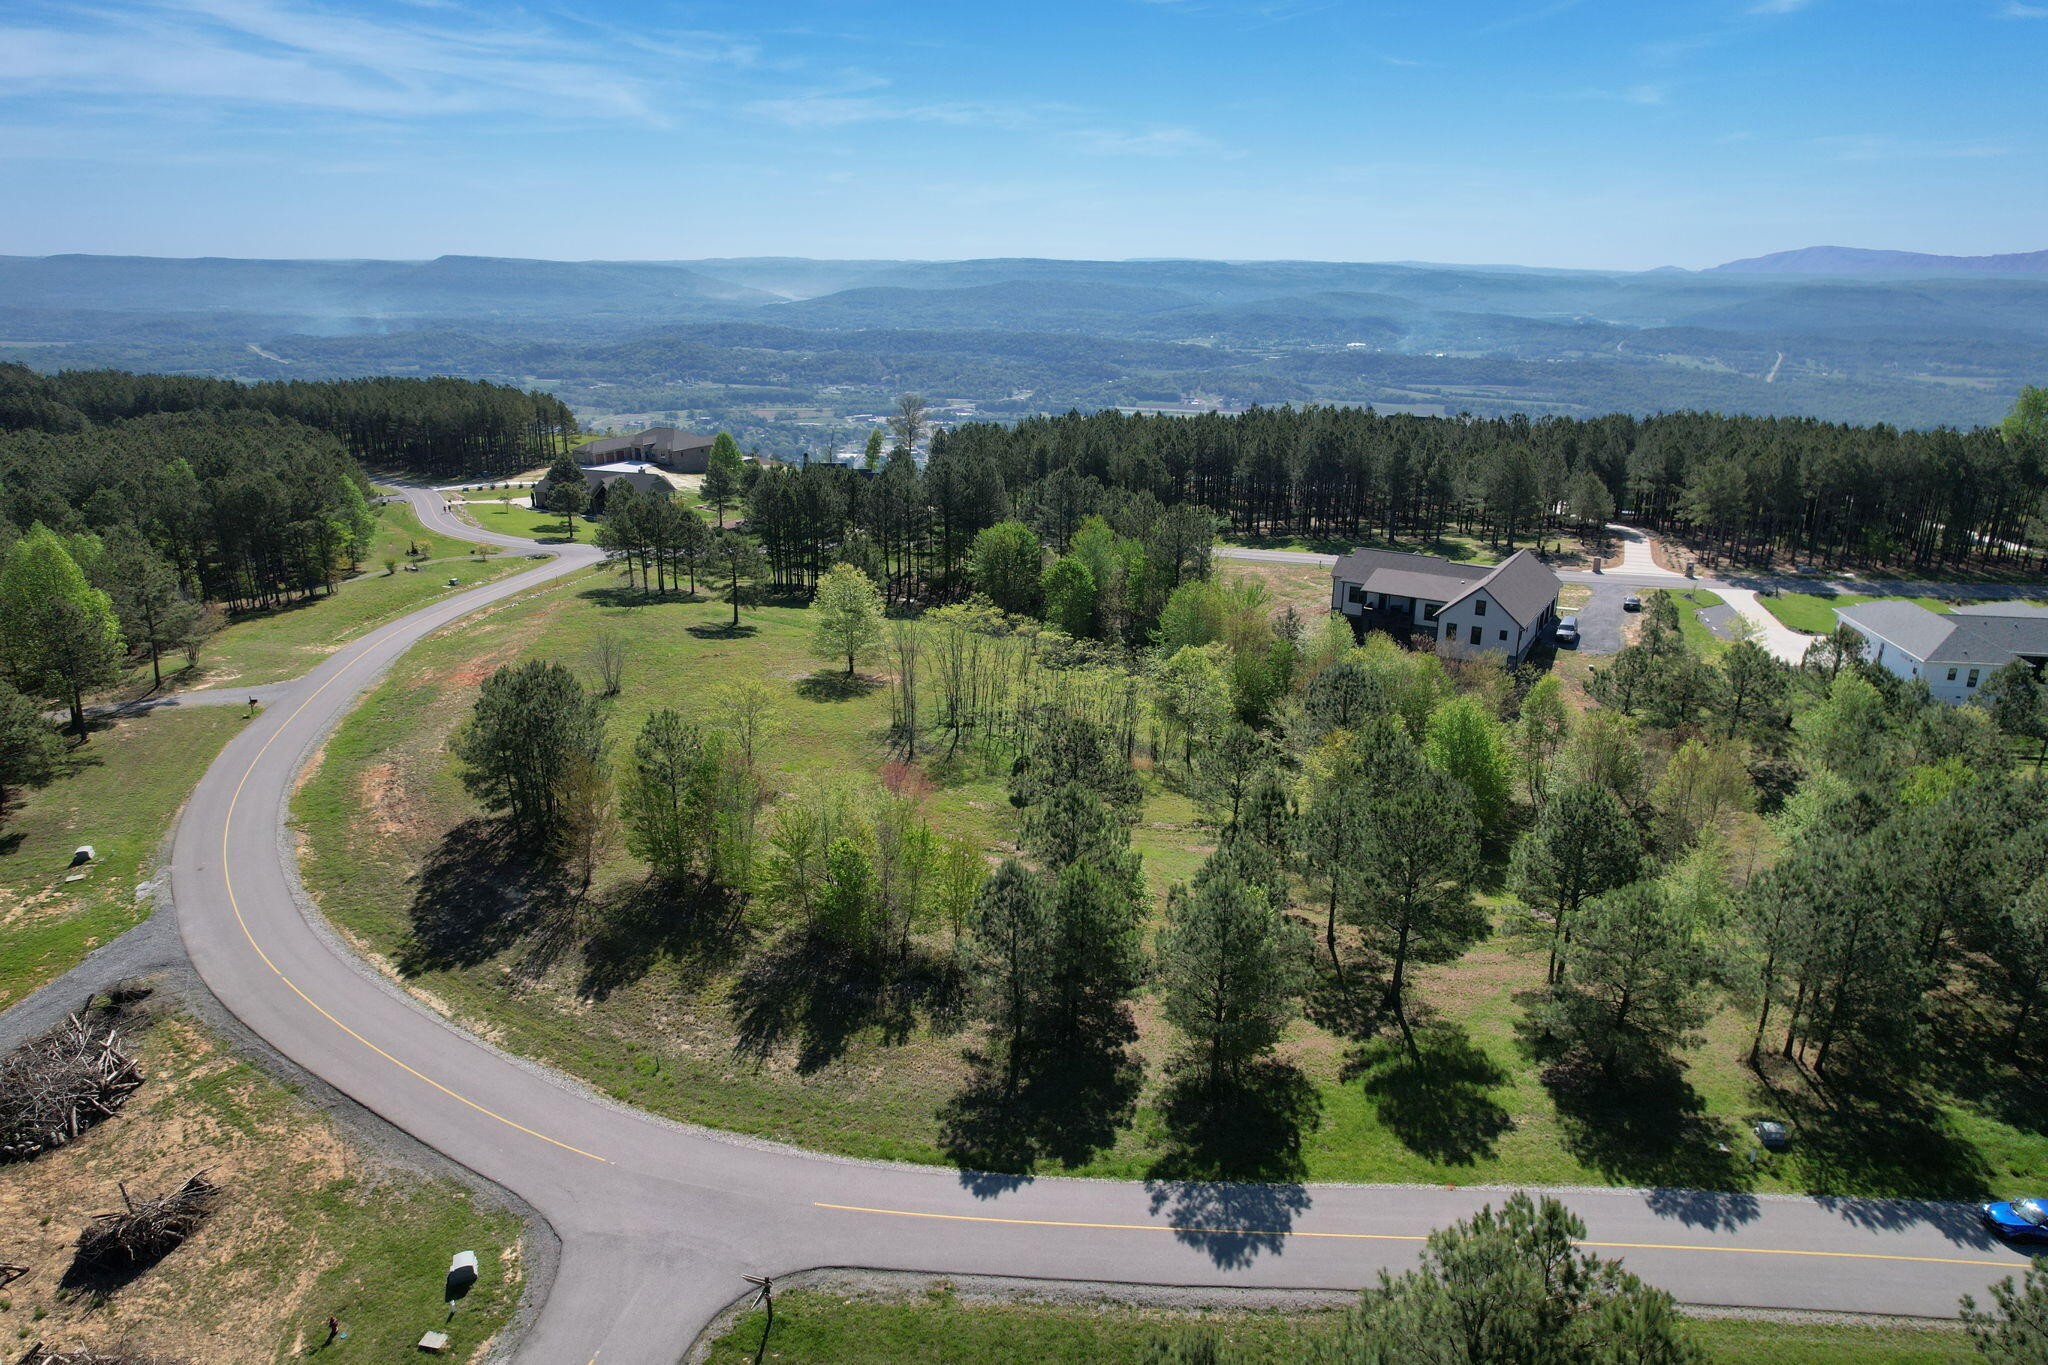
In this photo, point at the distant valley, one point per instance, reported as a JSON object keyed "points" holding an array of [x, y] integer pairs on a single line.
{"points": [[792, 354]]}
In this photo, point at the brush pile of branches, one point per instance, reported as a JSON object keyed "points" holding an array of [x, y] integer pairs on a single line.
{"points": [[144, 1233], [40, 1354], [55, 1087]]}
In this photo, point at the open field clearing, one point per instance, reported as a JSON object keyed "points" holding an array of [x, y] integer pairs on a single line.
{"points": [[707, 1012]]}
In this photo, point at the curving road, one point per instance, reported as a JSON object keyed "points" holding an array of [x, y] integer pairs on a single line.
{"points": [[658, 1221]]}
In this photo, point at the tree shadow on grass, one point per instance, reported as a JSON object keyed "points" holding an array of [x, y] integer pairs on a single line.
{"points": [[1440, 1105], [1350, 1005], [1867, 1133], [1230, 1178], [622, 596], [479, 892], [829, 685], [724, 630], [1650, 1128], [1970, 1046], [818, 998], [636, 925], [1068, 1106]]}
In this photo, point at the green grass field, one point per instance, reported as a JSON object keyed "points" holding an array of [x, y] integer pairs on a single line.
{"points": [[1695, 631], [1815, 612], [118, 793], [697, 1024], [517, 519], [814, 1328], [313, 1226]]}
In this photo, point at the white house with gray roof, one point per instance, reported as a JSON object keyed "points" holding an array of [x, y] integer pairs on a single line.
{"points": [[1504, 608], [1956, 653]]}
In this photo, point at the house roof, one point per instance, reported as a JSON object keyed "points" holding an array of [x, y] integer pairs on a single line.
{"points": [[597, 476], [1958, 638], [1521, 583]]}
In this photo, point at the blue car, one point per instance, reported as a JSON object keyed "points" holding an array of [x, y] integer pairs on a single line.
{"points": [[2020, 1220]]}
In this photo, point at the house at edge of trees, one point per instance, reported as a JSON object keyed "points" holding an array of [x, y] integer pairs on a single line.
{"points": [[671, 449], [599, 478], [1505, 608], [1956, 653]]}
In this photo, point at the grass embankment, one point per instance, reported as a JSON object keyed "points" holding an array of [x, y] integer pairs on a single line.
{"points": [[282, 643], [118, 793], [817, 1328], [653, 1005], [312, 1225]]}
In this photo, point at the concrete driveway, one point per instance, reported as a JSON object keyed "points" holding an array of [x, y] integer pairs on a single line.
{"points": [[1779, 639]]}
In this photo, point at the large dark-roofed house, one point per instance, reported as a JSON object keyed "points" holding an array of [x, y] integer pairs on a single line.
{"points": [[1504, 608], [668, 447]]}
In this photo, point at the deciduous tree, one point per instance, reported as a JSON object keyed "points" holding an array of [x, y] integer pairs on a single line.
{"points": [[847, 616]]}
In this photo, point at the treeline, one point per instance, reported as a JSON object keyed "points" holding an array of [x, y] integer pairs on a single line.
{"points": [[1745, 485], [438, 428], [247, 509]]}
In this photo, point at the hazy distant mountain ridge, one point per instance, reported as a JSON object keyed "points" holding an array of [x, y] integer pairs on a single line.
{"points": [[761, 344], [1851, 260]]}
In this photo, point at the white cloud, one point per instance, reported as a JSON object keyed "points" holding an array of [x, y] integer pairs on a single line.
{"points": [[2015, 10], [1152, 142], [1778, 6], [443, 59]]}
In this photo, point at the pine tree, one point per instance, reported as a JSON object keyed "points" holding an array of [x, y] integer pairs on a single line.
{"points": [[1513, 1286], [1583, 845], [724, 472], [1010, 955], [1231, 969]]}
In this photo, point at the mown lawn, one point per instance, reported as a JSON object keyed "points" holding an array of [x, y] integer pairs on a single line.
{"points": [[676, 1008], [312, 1226], [515, 518], [814, 1328], [1690, 602], [1815, 612], [119, 793]]}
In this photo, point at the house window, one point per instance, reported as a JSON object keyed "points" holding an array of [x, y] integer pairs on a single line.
{"points": [[1951, 675], [1503, 635], [1475, 635], [1431, 610], [1479, 607], [1973, 679], [1356, 592]]}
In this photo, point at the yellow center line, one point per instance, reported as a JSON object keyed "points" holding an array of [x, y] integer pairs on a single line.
{"points": [[1390, 1236], [228, 879]]}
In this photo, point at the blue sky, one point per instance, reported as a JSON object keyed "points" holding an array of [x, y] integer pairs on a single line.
{"points": [[1544, 132]]}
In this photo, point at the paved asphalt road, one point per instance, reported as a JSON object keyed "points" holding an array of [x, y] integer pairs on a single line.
{"points": [[658, 1222]]}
